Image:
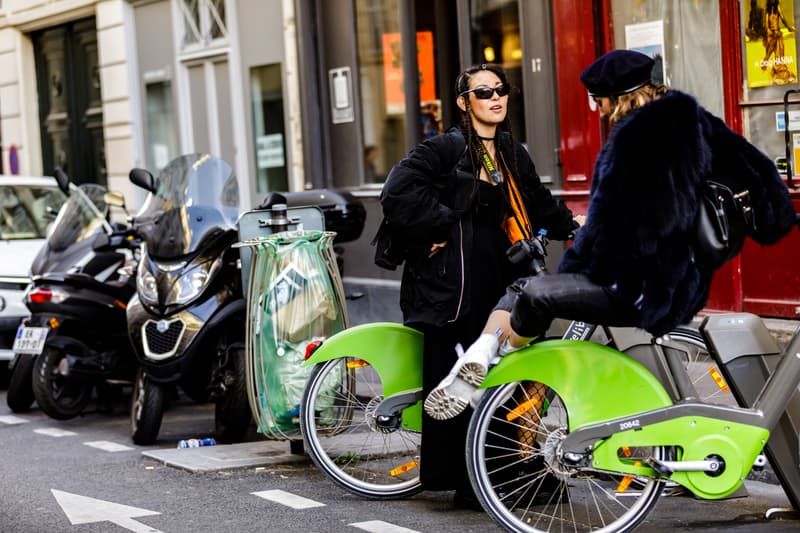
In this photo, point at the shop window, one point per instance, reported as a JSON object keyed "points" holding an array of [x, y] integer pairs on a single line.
{"points": [[770, 68], [266, 87], [204, 21], [380, 64], [161, 134], [686, 35], [496, 39]]}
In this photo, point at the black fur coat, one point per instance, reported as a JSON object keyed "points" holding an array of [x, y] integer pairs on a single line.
{"points": [[638, 236]]}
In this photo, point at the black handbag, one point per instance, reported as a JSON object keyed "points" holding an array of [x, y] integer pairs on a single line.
{"points": [[722, 224]]}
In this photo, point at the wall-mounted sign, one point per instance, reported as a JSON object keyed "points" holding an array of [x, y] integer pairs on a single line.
{"points": [[269, 151], [340, 82]]}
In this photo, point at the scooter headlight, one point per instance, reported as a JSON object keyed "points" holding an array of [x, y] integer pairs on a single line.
{"points": [[192, 283], [146, 283]]}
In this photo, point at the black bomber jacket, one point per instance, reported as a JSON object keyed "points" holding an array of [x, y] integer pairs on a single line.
{"points": [[427, 198]]}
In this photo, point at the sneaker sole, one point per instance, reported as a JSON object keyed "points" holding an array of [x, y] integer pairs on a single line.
{"points": [[452, 396]]}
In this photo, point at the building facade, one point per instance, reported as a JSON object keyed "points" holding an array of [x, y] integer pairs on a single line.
{"points": [[381, 66], [67, 91], [301, 94]]}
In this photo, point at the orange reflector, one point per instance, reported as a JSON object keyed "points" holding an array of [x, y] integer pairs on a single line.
{"points": [[357, 363], [121, 305], [626, 451], [625, 482], [718, 379], [402, 469], [54, 323], [521, 409]]}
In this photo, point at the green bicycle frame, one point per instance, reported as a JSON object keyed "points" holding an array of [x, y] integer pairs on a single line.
{"points": [[616, 402]]}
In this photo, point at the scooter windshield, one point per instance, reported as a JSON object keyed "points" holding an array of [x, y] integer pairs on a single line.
{"points": [[81, 217], [196, 198]]}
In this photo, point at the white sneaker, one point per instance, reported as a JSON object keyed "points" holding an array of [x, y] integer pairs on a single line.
{"points": [[452, 395]]}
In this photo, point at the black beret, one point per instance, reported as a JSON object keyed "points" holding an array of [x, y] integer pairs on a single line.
{"points": [[617, 72]]}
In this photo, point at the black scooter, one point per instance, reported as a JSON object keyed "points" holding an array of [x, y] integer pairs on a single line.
{"points": [[187, 320], [76, 337]]}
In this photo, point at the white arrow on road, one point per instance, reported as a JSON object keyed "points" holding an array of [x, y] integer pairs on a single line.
{"points": [[84, 510]]}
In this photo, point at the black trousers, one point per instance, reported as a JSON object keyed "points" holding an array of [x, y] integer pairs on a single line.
{"points": [[443, 441], [535, 301]]}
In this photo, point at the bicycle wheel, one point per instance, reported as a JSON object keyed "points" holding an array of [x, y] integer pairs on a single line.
{"points": [[513, 463], [344, 438], [703, 372]]}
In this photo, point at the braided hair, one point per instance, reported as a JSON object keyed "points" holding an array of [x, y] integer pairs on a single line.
{"points": [[462, 85]]}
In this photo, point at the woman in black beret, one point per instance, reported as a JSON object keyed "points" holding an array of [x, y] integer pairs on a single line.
{"points": [[456, 203], [633, 262]]}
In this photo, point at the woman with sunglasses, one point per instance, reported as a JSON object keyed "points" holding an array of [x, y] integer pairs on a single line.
{"points": [[457, 202]]}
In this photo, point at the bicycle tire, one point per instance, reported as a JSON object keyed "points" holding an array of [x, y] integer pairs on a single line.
{"points": [[524, 486], [343, 438]]}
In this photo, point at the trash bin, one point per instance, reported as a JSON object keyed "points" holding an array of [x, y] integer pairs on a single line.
{"points": [[294, 296]]}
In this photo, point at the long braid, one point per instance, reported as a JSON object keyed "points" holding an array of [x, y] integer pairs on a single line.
{"points": [[462, 85]]}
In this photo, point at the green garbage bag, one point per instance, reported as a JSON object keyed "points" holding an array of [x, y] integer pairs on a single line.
{"points": [[295, 296]]}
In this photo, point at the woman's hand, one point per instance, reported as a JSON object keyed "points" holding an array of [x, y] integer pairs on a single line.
{"points": [[580, 219], [435, 247]]}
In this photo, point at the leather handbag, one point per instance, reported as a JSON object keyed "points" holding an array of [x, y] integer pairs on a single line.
{"points": [[722, 224]]}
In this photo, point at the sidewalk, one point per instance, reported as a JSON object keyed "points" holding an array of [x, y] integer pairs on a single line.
{"points": [[782, 329]]}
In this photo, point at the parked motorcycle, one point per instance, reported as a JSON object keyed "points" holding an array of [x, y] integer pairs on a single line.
{"points": [[75, 340], [187, 319]]}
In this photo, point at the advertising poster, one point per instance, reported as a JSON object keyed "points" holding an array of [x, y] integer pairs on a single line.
{"points": [[648, 38], [393, 71], [769, 40]]}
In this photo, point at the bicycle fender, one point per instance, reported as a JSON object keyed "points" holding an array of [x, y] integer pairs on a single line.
{"points": [[394, 351], [597, 383]]}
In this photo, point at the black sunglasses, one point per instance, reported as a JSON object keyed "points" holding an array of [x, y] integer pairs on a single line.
{"points": [[484, 93]]}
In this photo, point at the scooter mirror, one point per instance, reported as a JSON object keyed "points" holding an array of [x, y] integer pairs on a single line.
{"points": [[62, 179], [142, 178]]}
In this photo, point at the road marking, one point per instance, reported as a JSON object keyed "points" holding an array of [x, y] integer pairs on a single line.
{"points": [[54, 432], [84, 510], [288, 499], [10, 419], [108, 446], [379, 526]]}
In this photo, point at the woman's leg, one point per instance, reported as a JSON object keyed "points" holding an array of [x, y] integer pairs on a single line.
{"points": [[570, 296], [443, 463], [533, 304]]}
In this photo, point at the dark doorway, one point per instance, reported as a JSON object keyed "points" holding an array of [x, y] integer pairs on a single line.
{"points": [[70, 108]]}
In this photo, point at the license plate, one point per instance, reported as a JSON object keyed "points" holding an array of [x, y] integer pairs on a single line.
{"points": [[30, 340]]}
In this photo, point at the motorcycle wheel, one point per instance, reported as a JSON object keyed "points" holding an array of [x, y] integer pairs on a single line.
{"points": [[232, 415], [147, 409], [60, 396], [19, 396]]}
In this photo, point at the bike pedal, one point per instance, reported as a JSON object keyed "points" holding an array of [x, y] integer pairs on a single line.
{"points": [[659, 467]]}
